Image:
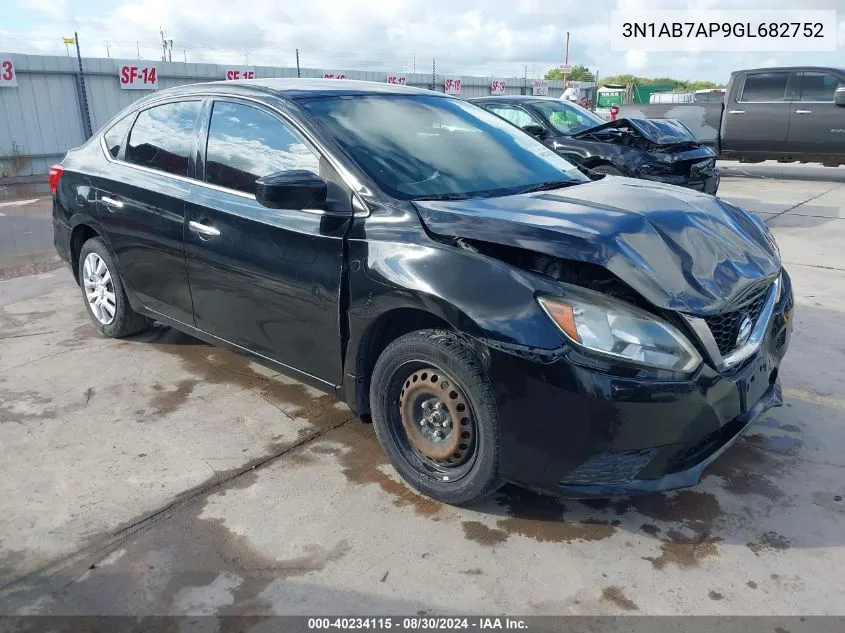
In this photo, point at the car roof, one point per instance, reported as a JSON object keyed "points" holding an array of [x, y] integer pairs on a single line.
{"points": [[525, 98], [790, 69], [295, 88]]}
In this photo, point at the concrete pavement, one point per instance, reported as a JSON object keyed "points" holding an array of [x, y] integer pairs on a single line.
{"points": [[159, 475]]}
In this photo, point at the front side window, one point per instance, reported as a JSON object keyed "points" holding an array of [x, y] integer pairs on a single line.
{"points": [[424, 146], [765, 87], [163, 137], [115, 134], [818, 86], [568, 118], [517, 116], [245, 143]]}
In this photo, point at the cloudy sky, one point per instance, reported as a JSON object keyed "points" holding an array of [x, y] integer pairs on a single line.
{"points": [[484, 37]]}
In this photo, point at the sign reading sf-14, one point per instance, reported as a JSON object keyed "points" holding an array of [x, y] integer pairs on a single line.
{"points": [[239, 72], [497, 87], [138, 77], [8, 77]]}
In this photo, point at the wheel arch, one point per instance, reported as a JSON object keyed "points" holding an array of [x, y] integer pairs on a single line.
{"points": [[80, 234], [365, 349]]}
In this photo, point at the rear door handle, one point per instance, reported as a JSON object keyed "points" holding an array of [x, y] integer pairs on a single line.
{"points": [[803, 112], [203, 229], [736, 111], [117, 204]]}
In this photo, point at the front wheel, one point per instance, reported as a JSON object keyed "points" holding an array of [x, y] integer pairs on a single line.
{"points": [[435, 416]]}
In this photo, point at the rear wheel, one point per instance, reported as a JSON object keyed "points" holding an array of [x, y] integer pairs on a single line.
{"points": [[435, 416], [103, 292], [608, 170]]}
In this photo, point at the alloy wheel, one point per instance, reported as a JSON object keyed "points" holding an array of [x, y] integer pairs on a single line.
{"points": [[99, 288]]}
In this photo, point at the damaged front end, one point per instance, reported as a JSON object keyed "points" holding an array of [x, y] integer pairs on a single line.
{"points": [[674, 314], [661, 150]]}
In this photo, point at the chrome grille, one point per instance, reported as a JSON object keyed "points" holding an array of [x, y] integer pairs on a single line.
{"points": [[725, 326]]}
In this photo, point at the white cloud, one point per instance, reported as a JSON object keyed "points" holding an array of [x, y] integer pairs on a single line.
{"points": [[483, 37], [636, 60]]}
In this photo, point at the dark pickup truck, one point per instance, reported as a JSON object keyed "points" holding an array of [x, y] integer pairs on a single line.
{"points": [[785, 114]]}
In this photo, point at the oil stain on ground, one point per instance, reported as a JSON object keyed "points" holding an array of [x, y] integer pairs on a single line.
{"points": [[771, 541], [543, 519], [483, 535], [684, 552], [616, 596], [184, 556]]}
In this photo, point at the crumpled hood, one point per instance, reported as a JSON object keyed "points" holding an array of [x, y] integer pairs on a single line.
{"points": [[658, 131], [680, 249]]}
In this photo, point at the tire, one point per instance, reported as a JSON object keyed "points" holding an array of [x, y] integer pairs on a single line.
{"points": [[608, 170], [124, 321], [472, 473]]}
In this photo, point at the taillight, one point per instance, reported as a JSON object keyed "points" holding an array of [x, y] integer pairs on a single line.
{"points": [[55, 173]]}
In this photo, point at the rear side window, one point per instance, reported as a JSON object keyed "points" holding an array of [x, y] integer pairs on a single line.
{"points": [[245, 143], [163, 137], [765, 87], [818, 86], [115, 134]]}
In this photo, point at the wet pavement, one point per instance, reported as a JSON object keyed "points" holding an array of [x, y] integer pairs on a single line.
{"points": [[159, 475]]}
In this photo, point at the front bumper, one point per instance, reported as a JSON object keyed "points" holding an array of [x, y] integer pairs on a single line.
{"points": [[576, 431], [705, 181]]}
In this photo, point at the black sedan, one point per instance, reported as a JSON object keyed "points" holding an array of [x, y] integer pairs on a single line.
{"points": [[496, 314], [652, 149]]}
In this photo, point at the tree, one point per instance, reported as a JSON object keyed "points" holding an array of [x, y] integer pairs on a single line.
{"points": [[579, 73], [677, 84]]}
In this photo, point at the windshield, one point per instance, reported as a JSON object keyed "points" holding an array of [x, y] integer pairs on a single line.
{"points": [[567, 118], [429, 146]]}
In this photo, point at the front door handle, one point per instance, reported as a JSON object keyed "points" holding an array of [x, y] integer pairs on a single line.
{"points": [[803, 112], [117, 204], [203, 229], [736, 111]]}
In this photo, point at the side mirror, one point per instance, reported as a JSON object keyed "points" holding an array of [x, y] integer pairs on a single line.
{"points": [[537, 131], [839, 96], [292, 189]]}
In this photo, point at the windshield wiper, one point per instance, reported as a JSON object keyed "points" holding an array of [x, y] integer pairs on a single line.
{"points": [[444, 196], [548, 185]]}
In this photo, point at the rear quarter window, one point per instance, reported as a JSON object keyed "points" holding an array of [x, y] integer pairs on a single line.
{"points": [[116, 133]]}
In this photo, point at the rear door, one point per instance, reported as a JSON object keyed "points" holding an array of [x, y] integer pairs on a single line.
{"points": [[756, 117], [141, 200], [267, 280], [817, 126]]}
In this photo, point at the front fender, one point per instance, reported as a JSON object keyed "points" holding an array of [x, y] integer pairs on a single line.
{"points": [[475, 294]]}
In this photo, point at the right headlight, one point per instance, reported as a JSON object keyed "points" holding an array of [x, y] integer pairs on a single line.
{"points": [[620, 330]]}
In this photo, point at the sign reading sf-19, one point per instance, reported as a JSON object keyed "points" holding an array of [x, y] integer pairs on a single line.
{"points": [[138, 77]]}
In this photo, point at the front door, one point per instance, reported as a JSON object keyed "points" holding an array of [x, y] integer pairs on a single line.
{"points": [[817, 124], [267, 280], [756, 117], [141, 198]]}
